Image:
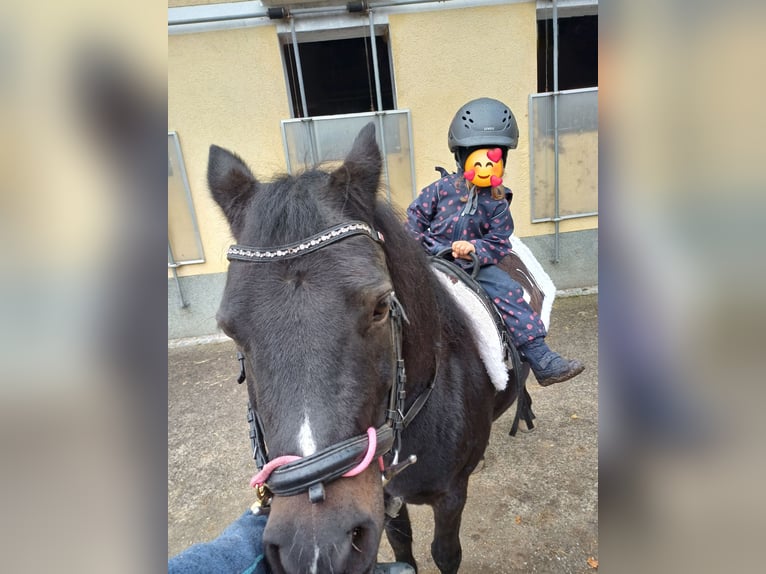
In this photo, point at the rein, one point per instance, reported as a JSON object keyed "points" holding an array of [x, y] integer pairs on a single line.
{"points": [[289, 474]]}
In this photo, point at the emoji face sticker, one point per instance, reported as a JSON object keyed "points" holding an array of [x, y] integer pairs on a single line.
{"points": [[484, 167]]}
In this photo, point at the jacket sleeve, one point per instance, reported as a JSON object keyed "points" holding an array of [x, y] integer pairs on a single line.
{"points": [[495, 243], [238, 549], [420, 213]]}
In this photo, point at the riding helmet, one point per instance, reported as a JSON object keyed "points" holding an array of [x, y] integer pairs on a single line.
{"points": [[483, 122]]}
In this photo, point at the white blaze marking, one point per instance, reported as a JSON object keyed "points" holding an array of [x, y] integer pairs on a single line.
{"points": [[306, 438], [316, 560]]}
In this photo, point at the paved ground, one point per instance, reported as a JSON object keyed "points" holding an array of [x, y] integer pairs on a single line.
{"points": [[532, 509]]}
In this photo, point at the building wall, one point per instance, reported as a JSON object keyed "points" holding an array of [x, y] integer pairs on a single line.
{"points": [[443, 59], [228, 87], [225, 88]]}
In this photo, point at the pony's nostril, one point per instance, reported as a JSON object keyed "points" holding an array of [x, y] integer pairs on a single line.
{"points": [[357, 535], [360, 539]]}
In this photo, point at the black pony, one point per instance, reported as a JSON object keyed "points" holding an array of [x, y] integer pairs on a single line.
{"points": [[315, 328]]}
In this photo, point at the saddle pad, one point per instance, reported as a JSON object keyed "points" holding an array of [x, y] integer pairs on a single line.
{"points": [[526, 270], [539, 292], [482, 325]]}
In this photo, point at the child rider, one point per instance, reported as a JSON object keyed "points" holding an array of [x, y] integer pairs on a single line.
{"points": [[470, 211]]}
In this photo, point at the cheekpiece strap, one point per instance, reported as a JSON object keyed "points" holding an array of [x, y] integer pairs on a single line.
{"points": [[326, 237]]}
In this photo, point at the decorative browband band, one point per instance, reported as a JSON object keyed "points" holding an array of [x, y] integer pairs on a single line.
{"points": [[336, 233]]}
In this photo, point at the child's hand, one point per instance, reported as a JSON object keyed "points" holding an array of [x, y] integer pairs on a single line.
{"points": [[462, 249]]}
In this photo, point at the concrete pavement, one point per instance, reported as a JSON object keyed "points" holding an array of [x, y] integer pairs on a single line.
{"points": [[533, 508]]}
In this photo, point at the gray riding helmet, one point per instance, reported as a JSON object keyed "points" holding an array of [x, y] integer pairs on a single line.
{"points": [[483, 122]]}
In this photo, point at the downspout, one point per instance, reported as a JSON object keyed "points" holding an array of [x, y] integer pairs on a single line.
{"points": [[556, 215], [379, 95], [374, 45], [173, 268], [298, 68], [309, 125]]}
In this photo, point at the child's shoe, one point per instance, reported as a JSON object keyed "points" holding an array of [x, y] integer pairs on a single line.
{"points": [[548, 366]]}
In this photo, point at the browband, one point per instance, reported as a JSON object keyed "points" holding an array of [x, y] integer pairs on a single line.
{"points": [[336, 233]]}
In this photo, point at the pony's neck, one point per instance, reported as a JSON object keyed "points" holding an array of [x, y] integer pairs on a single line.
{"points": [[416, 289]]}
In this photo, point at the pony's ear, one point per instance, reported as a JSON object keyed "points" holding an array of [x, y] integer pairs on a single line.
{"points": [[362, 166], [231, 183]]}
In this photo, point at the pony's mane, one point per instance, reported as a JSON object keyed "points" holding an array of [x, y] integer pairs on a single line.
{"points": [[424, 300], [291, 207]]}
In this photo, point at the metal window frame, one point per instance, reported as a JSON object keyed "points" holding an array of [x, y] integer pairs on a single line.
{"points": [[566, 8], [341, 26], [378, 116], [172, 261], [174, 264], [556, 217]]}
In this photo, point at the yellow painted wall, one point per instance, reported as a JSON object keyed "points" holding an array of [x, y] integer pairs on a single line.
{"points": [[228, 88], [181, 3], [225, 88], [443, 59]]}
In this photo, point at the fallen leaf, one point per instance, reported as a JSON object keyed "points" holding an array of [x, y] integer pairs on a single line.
{"points": [[518, 520], [592, 562]]}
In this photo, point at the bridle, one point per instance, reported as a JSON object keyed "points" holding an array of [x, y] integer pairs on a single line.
{"points": [[291, 475]]}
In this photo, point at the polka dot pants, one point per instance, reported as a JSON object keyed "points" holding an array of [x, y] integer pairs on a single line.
{"points": [[522, 323]]}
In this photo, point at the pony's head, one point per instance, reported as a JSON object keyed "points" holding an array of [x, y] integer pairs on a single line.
{"points": [[315, 329]]}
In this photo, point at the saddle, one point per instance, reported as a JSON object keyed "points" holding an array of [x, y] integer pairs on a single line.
{"points": [[498, 353], [484, 320], [525, 269]]}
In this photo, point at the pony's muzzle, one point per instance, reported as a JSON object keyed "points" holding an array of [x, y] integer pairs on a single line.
{"points": [[341, 534], [351, 548]]}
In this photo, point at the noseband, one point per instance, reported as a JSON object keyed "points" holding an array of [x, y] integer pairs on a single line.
{"points": [[287, 476]]}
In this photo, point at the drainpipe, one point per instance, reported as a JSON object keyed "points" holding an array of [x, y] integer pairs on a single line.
{"points": [[173, 268], [379, 95], [556, 215], [299, 70], [374, 45]]}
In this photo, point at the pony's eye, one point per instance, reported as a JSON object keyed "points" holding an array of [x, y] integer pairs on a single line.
{"points": [[381, 309]]}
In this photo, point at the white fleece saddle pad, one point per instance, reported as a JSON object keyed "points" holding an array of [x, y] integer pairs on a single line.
{"points": [[481, 321], [482, 326]]}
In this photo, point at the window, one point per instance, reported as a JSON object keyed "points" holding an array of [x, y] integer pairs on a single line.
{"points": [[565, 186], [338, 72], [339, 76], [184, 242], [578, 53]]}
